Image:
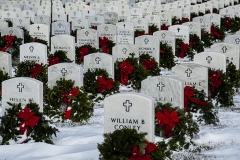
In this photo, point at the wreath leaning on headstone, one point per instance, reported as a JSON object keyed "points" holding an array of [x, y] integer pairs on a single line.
{"points": [[59, 56], [97, 81], [152, 28], [206, 38], [183, 50], [82, 51], [3, 76], [149, 64], [130, 72], [33, 70], [166, 56], [127, 144], [65, 101], [195, 43], [24, 125], [174, 124], [11, 44], [106, 45]]}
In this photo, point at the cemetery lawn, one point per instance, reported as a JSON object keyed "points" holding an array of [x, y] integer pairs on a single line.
{"points": [[79, 142]]}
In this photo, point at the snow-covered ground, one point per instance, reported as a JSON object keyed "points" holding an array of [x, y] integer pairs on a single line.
{"points": [[220, 142]]}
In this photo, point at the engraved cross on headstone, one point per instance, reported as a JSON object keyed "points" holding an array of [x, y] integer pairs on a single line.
{"points": [[31, 48], [63, 71], [237, 40], [188, 71], [178, 29], [106, 28], [127, 104], [20, 86], [10, 32], [86, 33], [95, 18], [97, 60], [124, 25], [60, 25], [20, 21], [38, 27], [146, 41], [163, 35], [224, 49], [209, 58], [160, 86], [139, 21], [124, 50]]}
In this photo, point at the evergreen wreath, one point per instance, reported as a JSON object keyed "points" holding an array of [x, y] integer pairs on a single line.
{"points": [[164, 27], [10, 24], [65, 101], [184, 20], [176, 21], [127, 144], [3, 76], [193, 15], [27, 37], [106, 45], [214, 10], [183, 49], [218, 34], [152, 28], [149, 64], [97, 81], [74, 33], [138, 33], [130, 72], [11, 44], [40, 41], [197, 102], [206, 38], [82, 51], [166, 56], [59, 56], [40, 128], [221, 85], [33, 70], [181, 128], [231, 25], [195, 43]]}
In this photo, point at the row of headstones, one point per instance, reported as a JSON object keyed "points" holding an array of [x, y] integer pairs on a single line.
{"points": [[127, 107]]}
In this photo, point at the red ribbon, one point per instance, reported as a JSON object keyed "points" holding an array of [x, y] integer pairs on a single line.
{"points": [[94, 27], [125, 70], [28, 120], [83, 52], [183, 20], [214, 31], [168, 120], [228, 23], [35, 39], [66, 100], [148, 65], [188, 96], [54, 60], [0, 92], [184, 48], [9, 40], [36, 70], [139, 34], [214, 79], [164, 27], [161, 51], [104, 84], [150, 32], [103, 42], [137, 155], [88, 4]]}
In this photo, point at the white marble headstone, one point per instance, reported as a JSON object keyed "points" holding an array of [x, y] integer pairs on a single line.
{"points": [[60, 28], [166, 37], [108, 30], [33, 52], [41, 31], [129, 110], [213, 60], [87, 36], [99, 60], [125, 33], [64, 43], [181, 32], [6, 63], [192, 75], [164, 89], [67, 71], [79, 23], [140, 24], [22, 90], [121, 52]]}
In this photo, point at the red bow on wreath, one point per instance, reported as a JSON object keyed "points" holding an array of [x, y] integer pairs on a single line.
{"points": [[35, 39], [168, 120], [183, 49], [150, 32], [215, 82], [139, 34], [103, 42], [188, 96], [94, 27], [164, 27], [125, 70], [36, 70], [183, 20], [214, 31], [83, 52], [137, 155], [54, 60], [192, 43], [10, 42], [104, 84], [161, 51], [28, 120], [228, 23], [0, 92], [148, 65], [66, 98]]}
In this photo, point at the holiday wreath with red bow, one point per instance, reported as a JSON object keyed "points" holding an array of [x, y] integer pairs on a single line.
{"points": [[128, 144], [59, 56], [149, 63], [106, 45], [11, 44], [183, 49], [82, 51], [166, 56], [175, 125], [64, 101], [23, 125], [33, 70], [97, 81]]}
